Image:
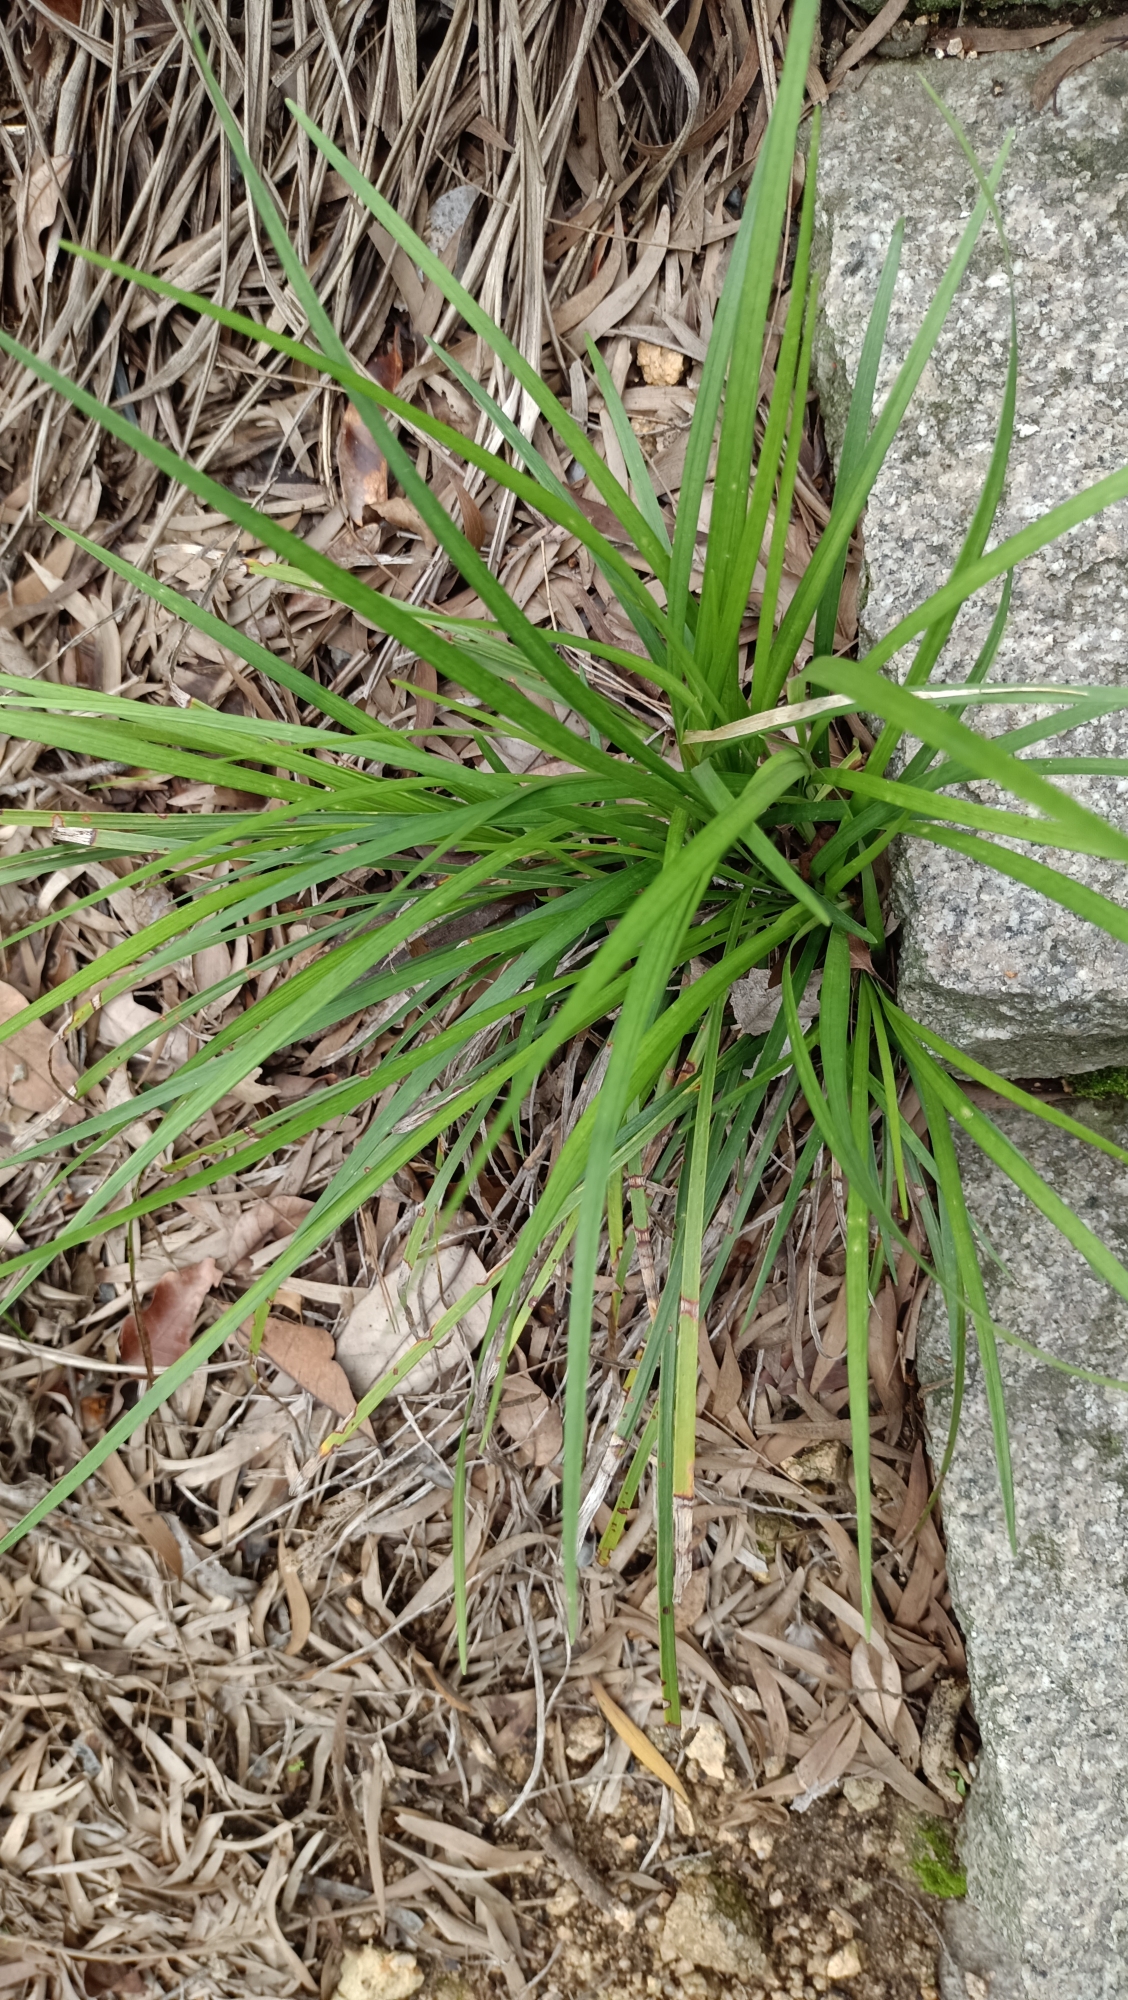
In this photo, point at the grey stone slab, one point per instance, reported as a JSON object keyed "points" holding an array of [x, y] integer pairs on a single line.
{"points": [[995, 966], [969, 1945], [1045, 1834]]}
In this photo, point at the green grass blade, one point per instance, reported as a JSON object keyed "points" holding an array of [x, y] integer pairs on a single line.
{"points": [[930, 1082], [773, 577], [836, 536], [741, 312], [858, 1301], [858, 422], [642, 486], [785, 397]]}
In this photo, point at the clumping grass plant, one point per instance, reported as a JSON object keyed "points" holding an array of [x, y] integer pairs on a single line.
{"points": [[618, 896]]}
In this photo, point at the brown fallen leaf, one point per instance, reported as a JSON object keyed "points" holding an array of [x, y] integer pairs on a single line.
{"points": [[403, 515], [884, 1354], [35, 1070], [729, 1385], [695, 1593], [169, 1319], [473, 526], [256, 1225], [637, 1742], [531, 1420], [917, 1594], [300, 1616], [877, 1679], [361, 466], [1095, 42], [913, 1519], [996, 41], [464, 1846], [37, 205], [874, 32], [830, 1758], [141, 1513], [308, 1355], [123, 1017]]}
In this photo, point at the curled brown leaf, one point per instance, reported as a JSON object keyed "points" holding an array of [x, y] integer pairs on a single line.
{"points": [[169, 1319]]}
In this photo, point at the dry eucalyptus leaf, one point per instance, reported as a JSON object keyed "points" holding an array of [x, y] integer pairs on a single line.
{"points": [[139, 1509], [828, 1760], [363, 469], [124, 1016], [695, 1593], [473, 525], [877, 1678], [35, 1071], [170, 1317], [301, 1616], [531, 1420], [305, 1354], [37, 205], [403, 515], [637, 1742], [403, 1309], [884, 1355], [756, 1002]]}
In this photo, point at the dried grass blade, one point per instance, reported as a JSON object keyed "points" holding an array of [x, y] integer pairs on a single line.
{"points": [[637, 1742]]}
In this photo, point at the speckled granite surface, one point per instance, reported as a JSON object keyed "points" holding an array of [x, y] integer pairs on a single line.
{"points": [[1045, 1833], [1028, 988]]}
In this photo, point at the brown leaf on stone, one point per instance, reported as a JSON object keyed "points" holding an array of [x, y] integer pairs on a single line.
{"points": [[995, 41], [169, 1319], [874, 32], [1095, 42], [533, 1423], [362, 469]]}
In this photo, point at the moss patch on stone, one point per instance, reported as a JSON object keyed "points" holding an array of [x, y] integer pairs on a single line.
{"points": [[934, 1861], [1098, 1084]]}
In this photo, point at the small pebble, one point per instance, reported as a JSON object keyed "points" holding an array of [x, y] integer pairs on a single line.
{"points": [[661, 366], [845, 1964]]}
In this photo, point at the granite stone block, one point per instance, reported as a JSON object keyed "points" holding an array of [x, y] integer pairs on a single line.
{"points": [[1045, 1833], [995, 966]]}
